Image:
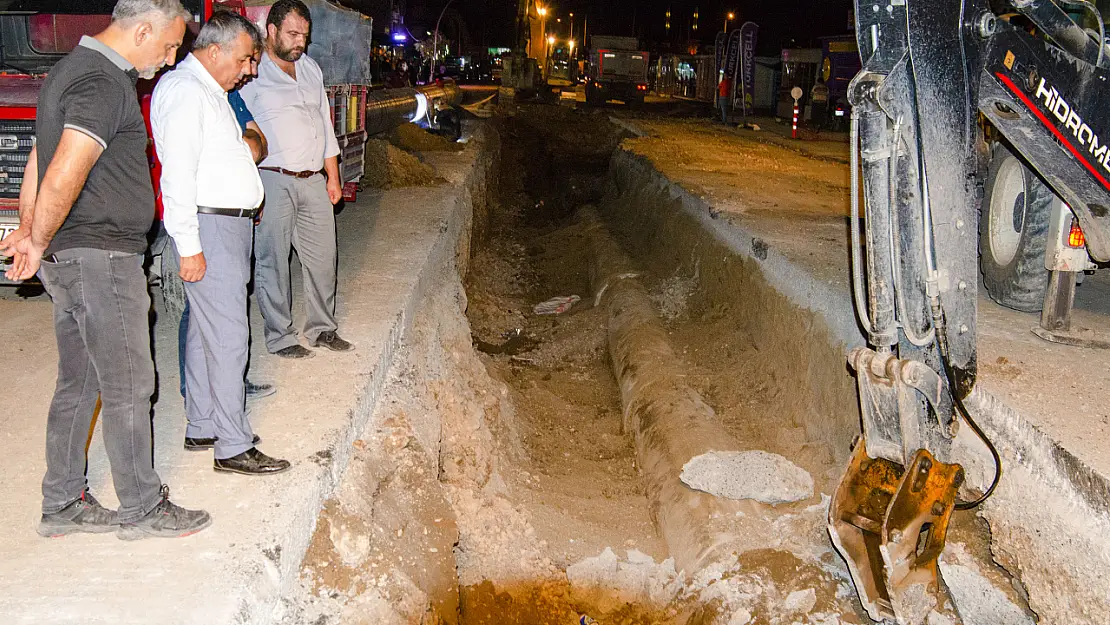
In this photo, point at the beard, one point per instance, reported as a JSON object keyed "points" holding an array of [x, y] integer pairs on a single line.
{"points": [[290, 55]]}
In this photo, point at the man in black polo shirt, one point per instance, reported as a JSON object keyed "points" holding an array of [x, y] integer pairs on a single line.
{"points": [[85, 207]]}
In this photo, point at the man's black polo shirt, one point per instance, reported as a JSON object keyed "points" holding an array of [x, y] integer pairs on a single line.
{"points": [[92, 90]]}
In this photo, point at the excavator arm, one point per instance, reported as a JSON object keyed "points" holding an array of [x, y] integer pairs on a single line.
{"points": [[933, 71]]}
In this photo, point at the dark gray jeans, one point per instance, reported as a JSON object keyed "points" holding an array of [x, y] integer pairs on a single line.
{"points": [[101, 308]]}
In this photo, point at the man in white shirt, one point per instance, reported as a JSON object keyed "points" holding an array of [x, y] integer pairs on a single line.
{"points": [[211, 193], [301, 176]]}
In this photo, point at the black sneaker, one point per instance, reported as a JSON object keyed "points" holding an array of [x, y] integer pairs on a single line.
{"points": [[251, 462], [166, 520], [294, 351], [84, 515], [258, 391], [332, 341]]}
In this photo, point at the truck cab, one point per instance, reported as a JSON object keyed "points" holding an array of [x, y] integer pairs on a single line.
{"points": [[617, 70], [34, 35]]}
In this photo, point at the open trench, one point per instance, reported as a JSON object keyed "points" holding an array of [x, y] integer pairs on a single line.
{"points": [[499, 480]]}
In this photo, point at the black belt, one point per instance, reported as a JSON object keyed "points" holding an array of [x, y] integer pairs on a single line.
{"points": [[295, 174], [228, 212]]}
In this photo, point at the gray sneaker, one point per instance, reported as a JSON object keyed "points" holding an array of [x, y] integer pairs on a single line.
{"points": [[84, 515], [166, 520]]}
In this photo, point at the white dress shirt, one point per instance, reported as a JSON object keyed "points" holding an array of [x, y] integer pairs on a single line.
{"points": [[293, 114], [205, 161]]}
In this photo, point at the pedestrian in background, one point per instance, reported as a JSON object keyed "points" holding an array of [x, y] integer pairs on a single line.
{"points": [[301, 176], [724, 94], [86, 205], [211, 193]]}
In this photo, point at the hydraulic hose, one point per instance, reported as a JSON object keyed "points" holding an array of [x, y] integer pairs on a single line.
{"points": [[896, 245], [862, 310], [942, 347], [1090, 6]]}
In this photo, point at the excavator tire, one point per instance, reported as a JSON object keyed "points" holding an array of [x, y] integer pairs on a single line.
{"points": [[1013, 231]]}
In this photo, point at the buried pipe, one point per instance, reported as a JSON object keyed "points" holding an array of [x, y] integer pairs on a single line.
{"points": [[669, 421]]}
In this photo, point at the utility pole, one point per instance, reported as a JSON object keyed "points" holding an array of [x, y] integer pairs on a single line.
{"points": [[520, 51]]}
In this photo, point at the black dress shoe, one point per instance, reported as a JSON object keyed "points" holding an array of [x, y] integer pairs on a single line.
{"points": [[200, 444], [332, 341], [251, 462], [294, 351]]}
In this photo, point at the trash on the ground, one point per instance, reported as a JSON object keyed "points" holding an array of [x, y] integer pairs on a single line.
{"points": [[515, 342], [556, 305], [586, 620], [752, 126]]}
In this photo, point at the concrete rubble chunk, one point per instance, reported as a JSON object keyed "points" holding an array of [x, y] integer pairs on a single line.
{"points": [[754, 474], [740, 617], [978, 601], [800, 601], [607, 582]]}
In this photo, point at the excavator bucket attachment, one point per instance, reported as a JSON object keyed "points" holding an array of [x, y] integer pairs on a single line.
{"points": [[890, 523]]}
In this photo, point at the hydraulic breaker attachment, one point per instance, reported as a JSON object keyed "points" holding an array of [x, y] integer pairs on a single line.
{"points": [[891, 521], [889, 517]]}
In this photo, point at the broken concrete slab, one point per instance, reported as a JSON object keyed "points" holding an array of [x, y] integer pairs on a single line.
{"points": [[755, 474]]}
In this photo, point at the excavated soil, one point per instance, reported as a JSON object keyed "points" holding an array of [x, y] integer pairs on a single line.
{"points": [[388, 167]]}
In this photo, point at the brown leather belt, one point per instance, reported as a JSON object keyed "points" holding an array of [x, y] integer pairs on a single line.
{"points": [[228, 212], [295, 174]]}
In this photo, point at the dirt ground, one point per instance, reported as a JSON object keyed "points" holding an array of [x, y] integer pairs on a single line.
{"points": [[721, 165]]}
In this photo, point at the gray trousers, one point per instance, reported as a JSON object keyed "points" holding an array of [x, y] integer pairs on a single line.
{"points": [[101, 308], [297, 214], [217, 343]]}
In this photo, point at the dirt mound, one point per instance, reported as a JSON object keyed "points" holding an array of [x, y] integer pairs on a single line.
{"points": [[388, 167], [415, 139]]}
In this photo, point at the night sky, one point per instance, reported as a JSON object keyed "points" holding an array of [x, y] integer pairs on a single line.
{"points": [[782, 23]]}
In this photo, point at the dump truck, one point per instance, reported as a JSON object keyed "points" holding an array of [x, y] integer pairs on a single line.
{"points": [[617, 70]]}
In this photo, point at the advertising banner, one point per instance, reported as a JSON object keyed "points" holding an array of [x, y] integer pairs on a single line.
{"points": [[748, 33], [732, 58], [719, 50]]}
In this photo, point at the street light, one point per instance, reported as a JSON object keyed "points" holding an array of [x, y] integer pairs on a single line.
{"points": [[435, 42], [729, 17]]}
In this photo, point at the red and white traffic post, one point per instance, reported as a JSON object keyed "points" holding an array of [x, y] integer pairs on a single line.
{"points": [[796, 93]]}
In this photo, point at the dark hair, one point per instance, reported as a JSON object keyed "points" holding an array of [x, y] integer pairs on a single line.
{"points": [[282, 8]]}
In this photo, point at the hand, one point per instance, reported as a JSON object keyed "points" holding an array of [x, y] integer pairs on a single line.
{"points": [[335, 190], [26, 256], [193, 268], [7, 246]]}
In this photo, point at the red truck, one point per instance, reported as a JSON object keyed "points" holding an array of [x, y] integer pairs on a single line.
{"points": [[34, 35]]}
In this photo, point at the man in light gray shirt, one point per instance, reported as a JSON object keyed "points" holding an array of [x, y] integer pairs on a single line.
{"points": [[301, 176]]}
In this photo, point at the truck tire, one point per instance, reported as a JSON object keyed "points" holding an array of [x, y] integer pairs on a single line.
{"points": [[1013, 233], [591, 94]]}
